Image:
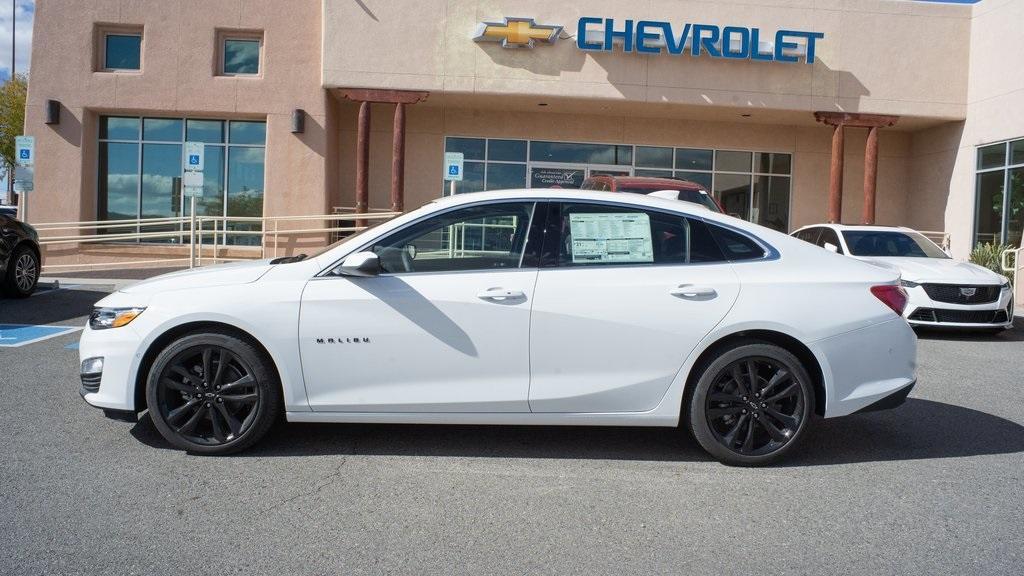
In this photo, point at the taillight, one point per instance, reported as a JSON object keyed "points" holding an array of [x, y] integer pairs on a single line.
{"points": [[893, 296]]}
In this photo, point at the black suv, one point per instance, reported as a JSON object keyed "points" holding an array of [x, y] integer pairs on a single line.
{"points": [[20, 261]]}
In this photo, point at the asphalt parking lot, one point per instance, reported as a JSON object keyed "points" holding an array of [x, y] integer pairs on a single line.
{"points": [[933, 487]]}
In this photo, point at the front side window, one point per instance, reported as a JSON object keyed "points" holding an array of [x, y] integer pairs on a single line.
{"points": [[891, 244], [488, 237], [598, 234], [122, 51], [829, 236]]}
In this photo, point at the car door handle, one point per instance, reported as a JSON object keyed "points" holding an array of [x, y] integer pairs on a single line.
{"points": [[694, 292], [500, 294]]}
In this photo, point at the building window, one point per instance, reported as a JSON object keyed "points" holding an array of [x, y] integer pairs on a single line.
{"points": [[752, 185], [139, 159], [240, 52], [118, 48], [999, 193]]}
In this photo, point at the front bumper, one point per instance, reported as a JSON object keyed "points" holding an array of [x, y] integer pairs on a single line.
{"points": [[113, 389], [923, 311]]}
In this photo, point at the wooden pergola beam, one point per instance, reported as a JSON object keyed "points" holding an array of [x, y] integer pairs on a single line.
{"points": [[381, 96], [856, 120]]}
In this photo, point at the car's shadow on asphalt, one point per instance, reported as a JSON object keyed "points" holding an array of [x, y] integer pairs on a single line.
{"points": [[49, 306], [920, 429]]}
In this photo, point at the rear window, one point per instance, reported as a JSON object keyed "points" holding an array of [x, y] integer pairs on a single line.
{"points": [[695, 196], [736, 246]]}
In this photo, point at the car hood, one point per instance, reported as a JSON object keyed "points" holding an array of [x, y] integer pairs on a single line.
{"points": [[205, 277], [945, 270]]}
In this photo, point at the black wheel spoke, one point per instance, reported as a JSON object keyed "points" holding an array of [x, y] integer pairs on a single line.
{"points": [[218, 429], [222, 362], [737, 376], [233, 424], [243, 381], [723, 398], [207, 355], [190, 426], [730, 437], [773, 431], [186, 375], [752, 376], [174, 416], [781, 375], [716, 413], [787, 421], [173, 385], [748, 442], [788, 391], [241, 398]]}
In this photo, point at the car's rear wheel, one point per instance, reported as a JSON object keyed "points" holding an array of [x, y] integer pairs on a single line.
{"points": [[22, 273], [751, 404], [213, 393]]}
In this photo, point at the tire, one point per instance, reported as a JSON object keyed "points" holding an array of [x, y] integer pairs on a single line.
{"points": [[739, 429], [213, 393], [22, 273]]}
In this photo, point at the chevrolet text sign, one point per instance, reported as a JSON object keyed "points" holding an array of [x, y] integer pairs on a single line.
{"points": [[736, 42]]}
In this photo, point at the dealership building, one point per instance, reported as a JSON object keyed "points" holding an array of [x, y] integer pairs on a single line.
{"points": [[790, 112]]}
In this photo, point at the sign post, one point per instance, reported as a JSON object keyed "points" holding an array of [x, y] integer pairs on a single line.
{"points": [[453, 165], [192, 187], [24, 172]]}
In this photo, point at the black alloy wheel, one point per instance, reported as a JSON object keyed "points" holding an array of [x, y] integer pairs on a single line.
{"points": [[212, 393], [751, 404]]}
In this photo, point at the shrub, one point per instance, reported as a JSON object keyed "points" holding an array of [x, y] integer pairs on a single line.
{"points": [[990, 256]]}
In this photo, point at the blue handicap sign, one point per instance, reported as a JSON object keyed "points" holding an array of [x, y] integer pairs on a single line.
{"points": [[453, 170], [24, 153], [14, 335], [193, 159]]}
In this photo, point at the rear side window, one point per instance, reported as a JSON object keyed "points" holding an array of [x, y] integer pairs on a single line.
{"points": [[829, 236], [736, 246], [809, 235], [597, 234]]}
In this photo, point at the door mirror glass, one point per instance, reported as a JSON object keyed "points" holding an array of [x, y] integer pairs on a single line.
{"points": [[831, 247], [360, 264]]}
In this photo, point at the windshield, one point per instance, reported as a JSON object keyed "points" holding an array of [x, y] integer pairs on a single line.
{"points": [[373, 224], [695, 196], [891, 244]]}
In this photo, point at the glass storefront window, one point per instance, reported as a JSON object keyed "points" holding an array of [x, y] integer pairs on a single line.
{"points": [[139, 158], [702, 178], [733, 193], [771, 202], [732, 161], [999, 194], [506, 150], [652, 173], [654, 157], [471, 148], [771, 163], [694, 159], [505, 176], [580, 153]]}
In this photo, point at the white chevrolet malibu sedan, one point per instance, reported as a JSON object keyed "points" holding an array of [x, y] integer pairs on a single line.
{"points": [[941, 292], [551, 307]]}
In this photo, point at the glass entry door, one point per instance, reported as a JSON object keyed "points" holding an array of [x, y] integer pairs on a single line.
{"points": [[601, 171], [560, 176]]}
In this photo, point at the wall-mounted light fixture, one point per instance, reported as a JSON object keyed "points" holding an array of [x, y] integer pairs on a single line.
{"points": [[52, 112], [298, 121]]}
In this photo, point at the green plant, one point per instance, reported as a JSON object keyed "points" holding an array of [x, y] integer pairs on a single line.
{"points": [[990, 256]]}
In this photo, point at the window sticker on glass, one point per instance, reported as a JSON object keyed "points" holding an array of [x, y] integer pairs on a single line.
{"points": [[616, 237]]}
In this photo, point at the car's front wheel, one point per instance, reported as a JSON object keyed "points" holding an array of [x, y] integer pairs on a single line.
{"points": [[213, 393], [751, 404], [22, 273]]}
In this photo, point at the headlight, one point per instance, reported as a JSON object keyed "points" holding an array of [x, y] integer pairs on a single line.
{"points": [[1006, 284], [908, 284], [103, 318]]}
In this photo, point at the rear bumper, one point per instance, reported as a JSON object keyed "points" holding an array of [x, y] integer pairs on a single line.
{"points": [[893, 400]]}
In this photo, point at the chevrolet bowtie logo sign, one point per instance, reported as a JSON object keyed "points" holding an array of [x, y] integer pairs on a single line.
{"points": [[516, 33]]}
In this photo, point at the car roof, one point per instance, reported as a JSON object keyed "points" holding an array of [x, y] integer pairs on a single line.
{"points": [[570, 194], [858, 227], [651, 182]]}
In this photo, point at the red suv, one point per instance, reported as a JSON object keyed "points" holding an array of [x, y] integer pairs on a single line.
{"points": [[686, 191]]}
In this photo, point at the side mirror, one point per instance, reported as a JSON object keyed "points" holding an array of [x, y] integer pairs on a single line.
{"points": [[360, 264], [831, 247]]}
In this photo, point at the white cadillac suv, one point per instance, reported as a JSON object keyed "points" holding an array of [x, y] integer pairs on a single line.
{"points": [[943, 292], [550, 307]]}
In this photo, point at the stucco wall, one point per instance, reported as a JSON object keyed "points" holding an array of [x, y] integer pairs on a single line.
{"points": [[810, 146], [177, 79], [881, 56]]}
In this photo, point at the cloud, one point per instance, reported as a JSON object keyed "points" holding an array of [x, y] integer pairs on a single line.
{"points": [[25, 13]]}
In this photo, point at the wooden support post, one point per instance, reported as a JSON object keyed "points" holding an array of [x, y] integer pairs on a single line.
{"points": [[870, 176], [835, 184], [398, 160], [363, 162]]}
